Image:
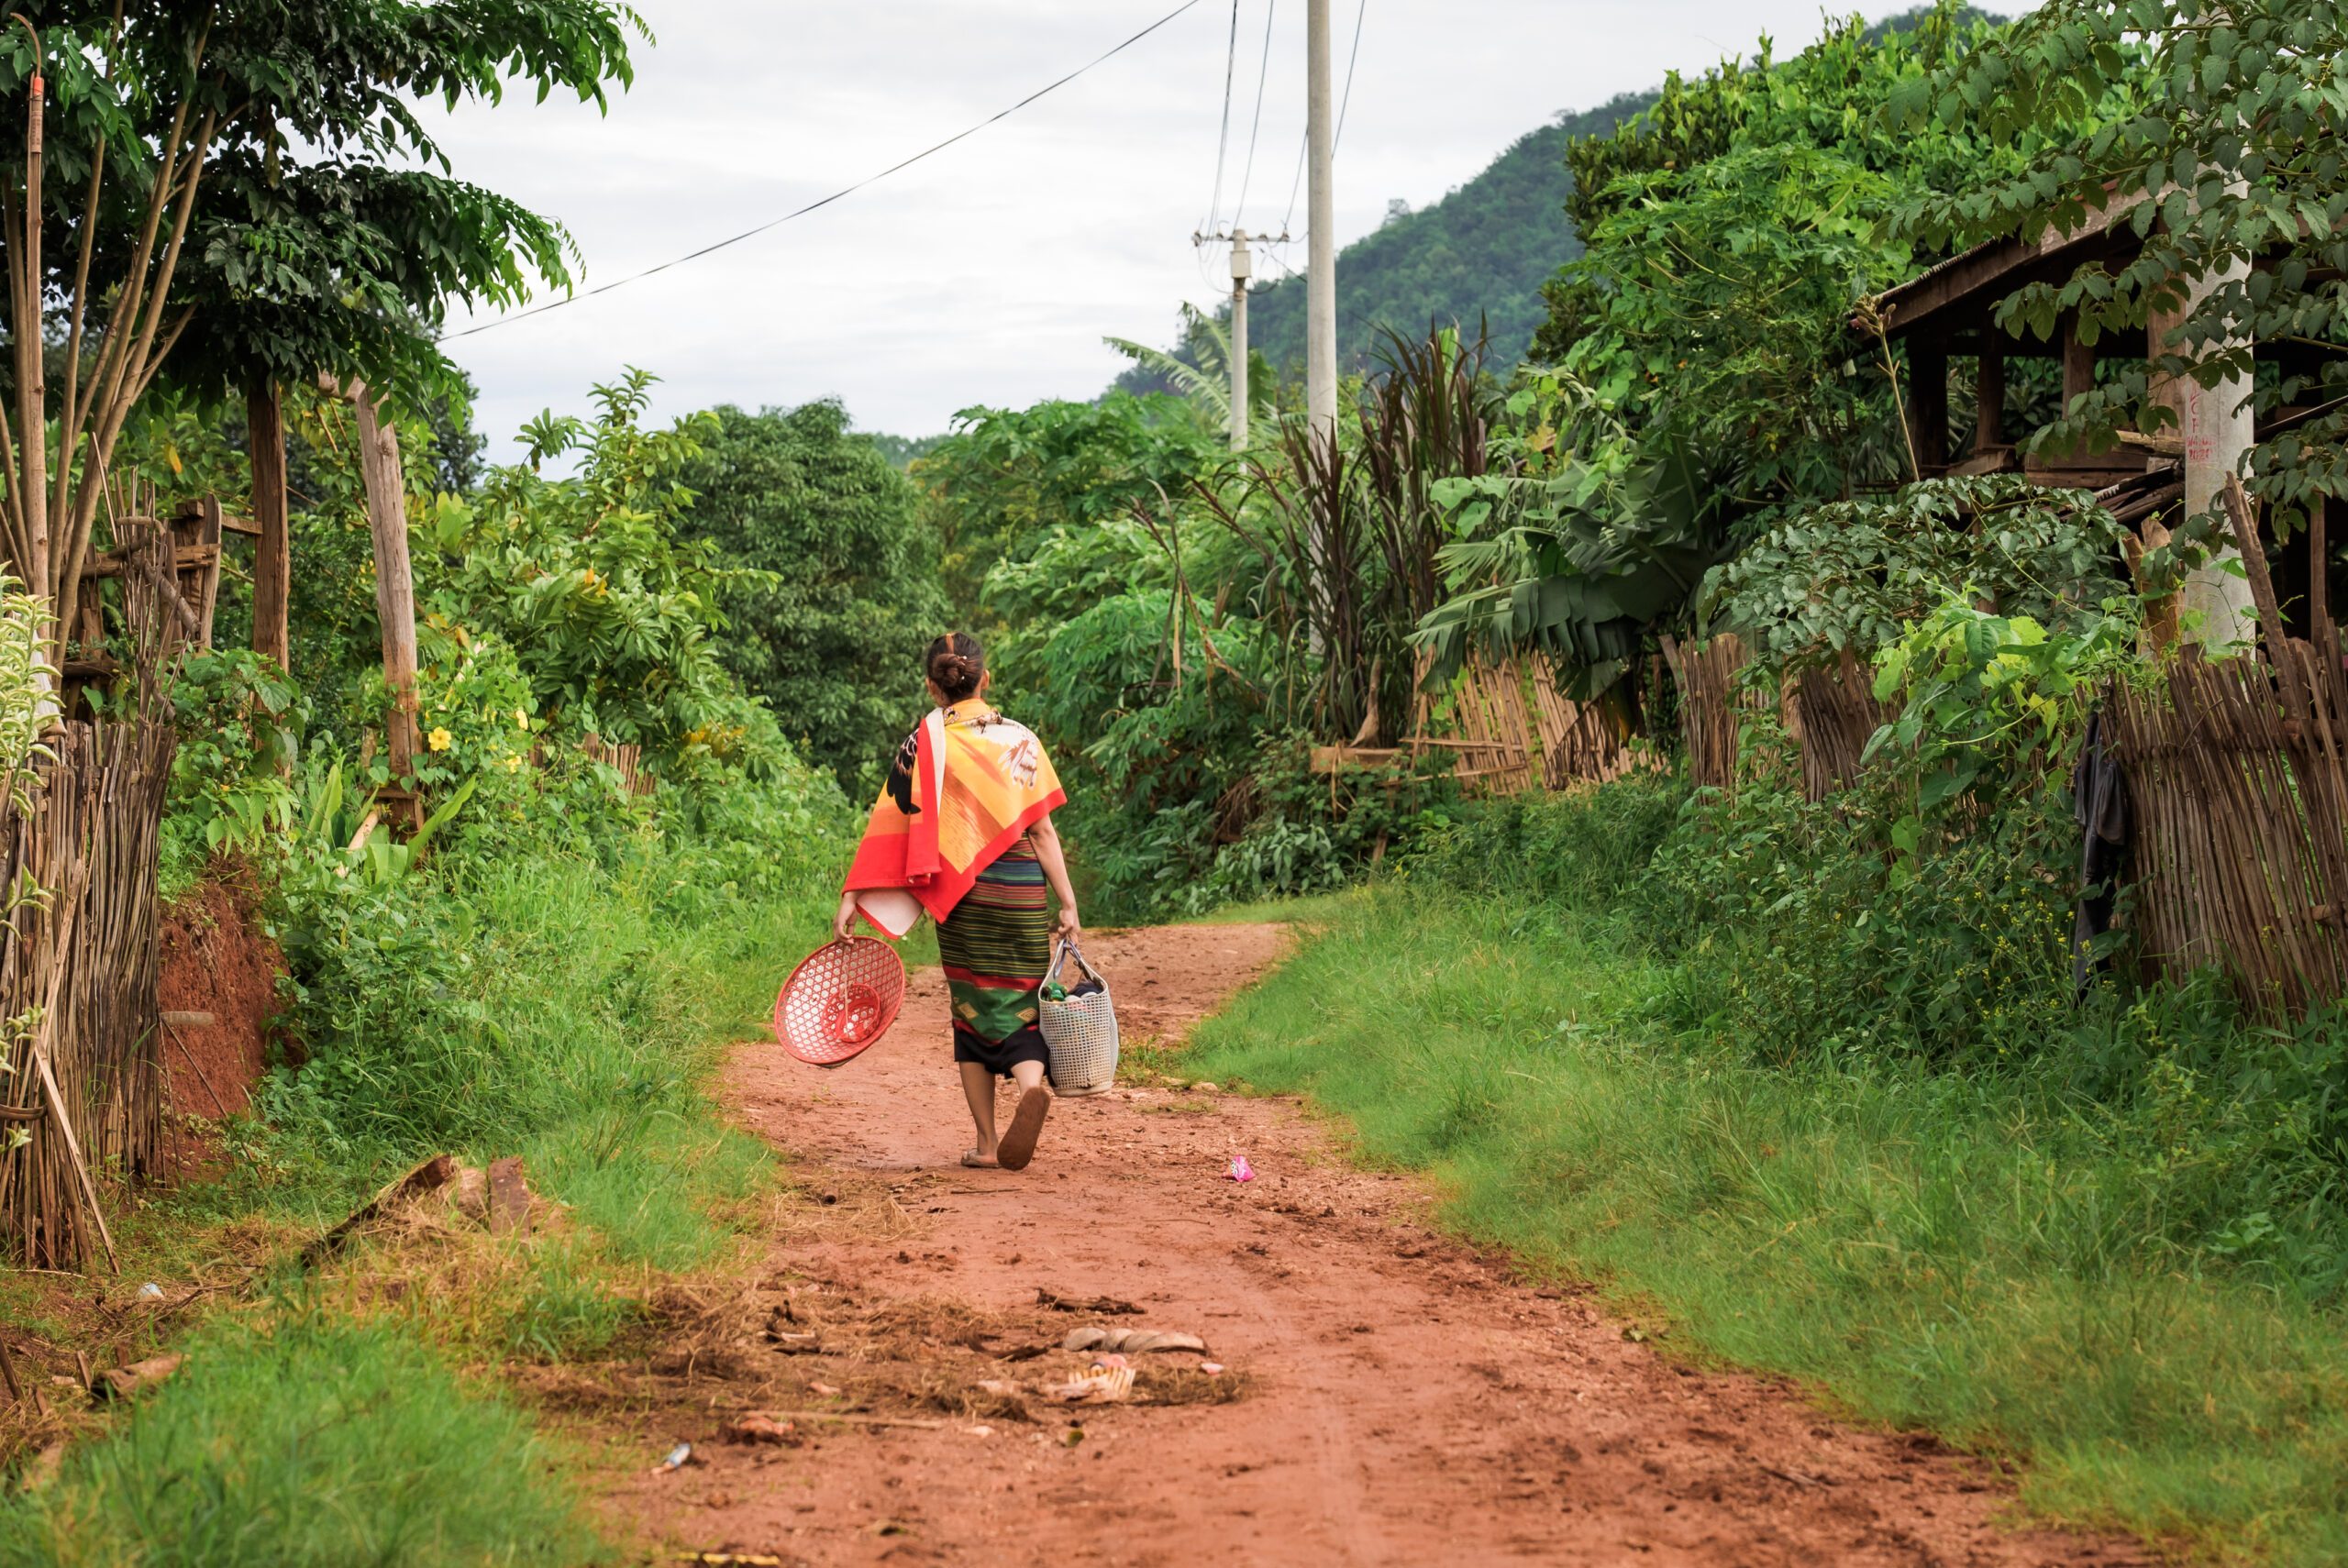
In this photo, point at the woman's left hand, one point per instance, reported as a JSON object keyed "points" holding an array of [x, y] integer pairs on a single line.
{"points": [[1067, 928]]}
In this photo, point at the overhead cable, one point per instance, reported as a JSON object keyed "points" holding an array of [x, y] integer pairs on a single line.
{"points": [[1347, 102], [1262, 72], [1223, 141], [836, 195]]}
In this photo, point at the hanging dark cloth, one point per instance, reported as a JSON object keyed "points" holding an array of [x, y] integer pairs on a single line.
{"points": [[2099, 805]]}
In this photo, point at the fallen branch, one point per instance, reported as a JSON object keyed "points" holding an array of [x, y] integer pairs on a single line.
{"points": [[198, 1066], [429, 1177], [1108, 1305], [845, 1416]]}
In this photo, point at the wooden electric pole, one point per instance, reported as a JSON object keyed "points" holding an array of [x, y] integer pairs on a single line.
{"points": [[272, 558], [378, 464]]}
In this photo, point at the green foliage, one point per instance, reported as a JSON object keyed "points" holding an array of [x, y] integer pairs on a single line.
{"points": [[1732, 228], [247, 192], [241, 722], [1577, 540], [1207, 382], [2226, 163], [1802, 937], [1988, 703], [832, 639], [1003, 480], [304, 1438], [1855, 574], [1715, 302], [586, 577]]}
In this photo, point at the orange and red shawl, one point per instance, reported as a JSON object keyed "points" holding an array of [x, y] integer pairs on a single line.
{"points": [[979, 782]]}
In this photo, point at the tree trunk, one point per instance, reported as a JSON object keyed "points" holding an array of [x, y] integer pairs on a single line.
{"points": [[272, 558]]}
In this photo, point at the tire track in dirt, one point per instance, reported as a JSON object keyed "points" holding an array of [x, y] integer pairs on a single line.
{"points": [[1410, 1401]]}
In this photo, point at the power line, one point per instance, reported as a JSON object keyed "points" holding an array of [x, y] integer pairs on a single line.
{"points": [[1347, 102], [1223, 142], [836, 195], [1262, 72]]}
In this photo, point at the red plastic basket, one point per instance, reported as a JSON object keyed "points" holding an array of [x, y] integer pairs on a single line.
{"points": [[842, 997]]}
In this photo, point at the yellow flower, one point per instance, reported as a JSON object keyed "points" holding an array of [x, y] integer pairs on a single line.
{"points": [[440, 739], [512, 763], [521, 720]]}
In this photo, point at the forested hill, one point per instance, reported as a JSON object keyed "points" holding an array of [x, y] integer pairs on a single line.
{"points": [[1484, 250]]}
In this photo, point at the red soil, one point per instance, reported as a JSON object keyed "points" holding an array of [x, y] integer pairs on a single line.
{"points": [[215, 961], [1413, 1401]]}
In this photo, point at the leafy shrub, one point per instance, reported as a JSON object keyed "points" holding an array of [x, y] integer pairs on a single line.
{"points": [[1801, 935], [1588, 849]]}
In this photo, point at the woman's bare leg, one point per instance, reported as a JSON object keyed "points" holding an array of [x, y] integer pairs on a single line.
{"points": [[978, 1087], [1026, 1075]]}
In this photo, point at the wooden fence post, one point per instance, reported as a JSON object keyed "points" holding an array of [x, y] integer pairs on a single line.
{"points": [[379, 461], [272, 558]]}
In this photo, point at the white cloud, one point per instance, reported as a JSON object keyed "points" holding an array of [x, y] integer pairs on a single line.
{"points": [[991, 272]]}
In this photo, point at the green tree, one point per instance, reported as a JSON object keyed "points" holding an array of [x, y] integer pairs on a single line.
{"points": [[832, 637], [612, 614], [247, 189], [1004, 480]]}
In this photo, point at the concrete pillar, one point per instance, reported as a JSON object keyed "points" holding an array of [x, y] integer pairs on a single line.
{"points": [[2218, 436]]}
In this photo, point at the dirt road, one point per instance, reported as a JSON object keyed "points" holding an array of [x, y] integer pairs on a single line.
{"points": [[1403, 1400]]}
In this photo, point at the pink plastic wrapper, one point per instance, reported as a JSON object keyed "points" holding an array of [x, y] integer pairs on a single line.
{"points": [[1240, 1169]]}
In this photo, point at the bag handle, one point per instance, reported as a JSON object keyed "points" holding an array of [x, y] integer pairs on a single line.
{"points": [[1062, 951]]}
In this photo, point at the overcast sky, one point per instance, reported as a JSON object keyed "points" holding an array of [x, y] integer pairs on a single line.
{"points": [[990, 272]]}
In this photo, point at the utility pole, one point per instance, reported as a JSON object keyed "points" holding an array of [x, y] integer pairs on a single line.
{"points": [[379, 466], [1320, 243], [1242, 267], [272, 563]]}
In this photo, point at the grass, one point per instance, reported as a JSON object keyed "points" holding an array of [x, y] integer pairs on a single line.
{"points": [[302, 1439], [1310, 910], [1963, 1253], [321, 1422]]}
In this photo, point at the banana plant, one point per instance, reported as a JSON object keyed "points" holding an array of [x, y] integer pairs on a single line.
{"points": [[380, 860]]}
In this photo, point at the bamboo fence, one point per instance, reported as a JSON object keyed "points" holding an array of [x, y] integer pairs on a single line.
{"points": [[1580, 741], [1710, 708], [1482, 717], [1508, 743], [2237, 778], [1832, 714], [79, 982]]}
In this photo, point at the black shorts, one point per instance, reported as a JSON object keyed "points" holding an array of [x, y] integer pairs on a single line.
{"points": [[998, 1057]]}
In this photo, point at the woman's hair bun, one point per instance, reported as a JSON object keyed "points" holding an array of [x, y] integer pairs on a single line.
{"points": [[956, 664]]}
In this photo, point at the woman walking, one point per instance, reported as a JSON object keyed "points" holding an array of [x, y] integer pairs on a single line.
{"points": [[963, 830]]}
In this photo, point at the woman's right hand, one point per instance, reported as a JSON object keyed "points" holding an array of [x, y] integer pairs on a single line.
{"points": [[844, 924]]}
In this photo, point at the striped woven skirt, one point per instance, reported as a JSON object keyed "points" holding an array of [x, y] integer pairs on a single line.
{"points": [[995, 946]]}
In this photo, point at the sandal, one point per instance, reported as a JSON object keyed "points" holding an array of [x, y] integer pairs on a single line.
{"points": [[1018, 1145], [977, 1160]]}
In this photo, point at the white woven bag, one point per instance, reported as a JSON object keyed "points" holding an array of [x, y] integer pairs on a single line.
{"points": [[1079, 1027]]}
